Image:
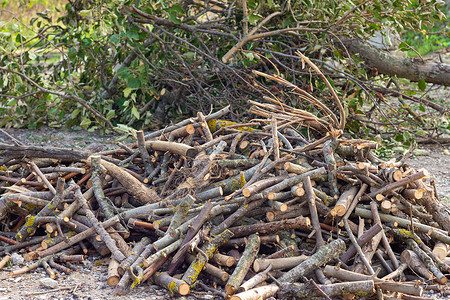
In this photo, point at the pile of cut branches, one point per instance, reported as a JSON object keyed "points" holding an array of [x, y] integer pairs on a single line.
{"points": [[241, 210]]}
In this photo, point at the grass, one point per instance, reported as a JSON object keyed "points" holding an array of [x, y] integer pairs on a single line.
{"points": [[26, 10]]}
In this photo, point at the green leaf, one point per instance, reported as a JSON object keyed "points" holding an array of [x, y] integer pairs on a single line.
{"points": [[115, 39], [421, 107], [421, 133], [84, 13], [134, 83], [135, 112], [111, 114], [406, 135], [12, 102], [126, 92], [75, 113], [253, 18], [176, 9], [250, 56], [403, 46], [85, 122], [422, 85], [133, 35]]}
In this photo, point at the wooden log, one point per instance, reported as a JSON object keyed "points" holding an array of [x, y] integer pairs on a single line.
{"points": [[413, 193], [439, 211], [30, 226], [314, 174], [175, 286], [212, 270], [97, 187], [262, 184], [389, 187], [295, 168], [344, 201], [191, 274], [162, 253], [77, 238], [441, 250], [371, 247], [278, 263], [322, 256], [432, 231], [262, 292], [413, 261], [265, 228], [113, 274], [214, 115], [110, 243], [250, 252], [297, 190], [277, 205], [428, 261], [384, 240], [328, 153], [180, 213], [176, 148], [223, 260], [265, 239], [134, 187], [307, 290], [285, 251], [203, 216], [396, 273], [311, 198], [401, 287], [133, 255], [292, 212], [238, 214], [362, 240], [255, 280], [4, 261]]}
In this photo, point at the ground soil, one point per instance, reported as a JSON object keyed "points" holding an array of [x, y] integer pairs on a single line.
{"points": [[89, 281]]}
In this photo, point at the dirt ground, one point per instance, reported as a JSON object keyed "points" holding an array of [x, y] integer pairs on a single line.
{"points": [[89, 281]]}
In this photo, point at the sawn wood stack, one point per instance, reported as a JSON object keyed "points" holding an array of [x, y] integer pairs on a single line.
{"points": [[283, 206]]}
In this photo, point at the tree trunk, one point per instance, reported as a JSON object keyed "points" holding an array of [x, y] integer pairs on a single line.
{"points": [[410, 68]]}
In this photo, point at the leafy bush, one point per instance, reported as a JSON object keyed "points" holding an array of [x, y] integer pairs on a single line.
{"points": [[143, 63]]}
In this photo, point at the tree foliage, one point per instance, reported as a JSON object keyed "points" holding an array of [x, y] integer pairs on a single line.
{"points": [[145, 62]]}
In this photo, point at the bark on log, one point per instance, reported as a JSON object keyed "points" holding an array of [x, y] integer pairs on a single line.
{"points": [[202, 217], [172, 147], [278, 263], [137, 189], [212, 270], [308, 290], [432, 231], [175, 286], [413, 261], [401, 287], [244, 264], [263, 292], [209, 248], [322, 256], [409, 68], [113, 274], [264, 228]]}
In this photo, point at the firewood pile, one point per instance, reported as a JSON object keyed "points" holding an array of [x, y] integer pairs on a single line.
{"points": [[284, 206]]}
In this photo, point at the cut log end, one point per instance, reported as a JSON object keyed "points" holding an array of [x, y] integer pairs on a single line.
{"points": [[113, 281], [184, 289]]}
